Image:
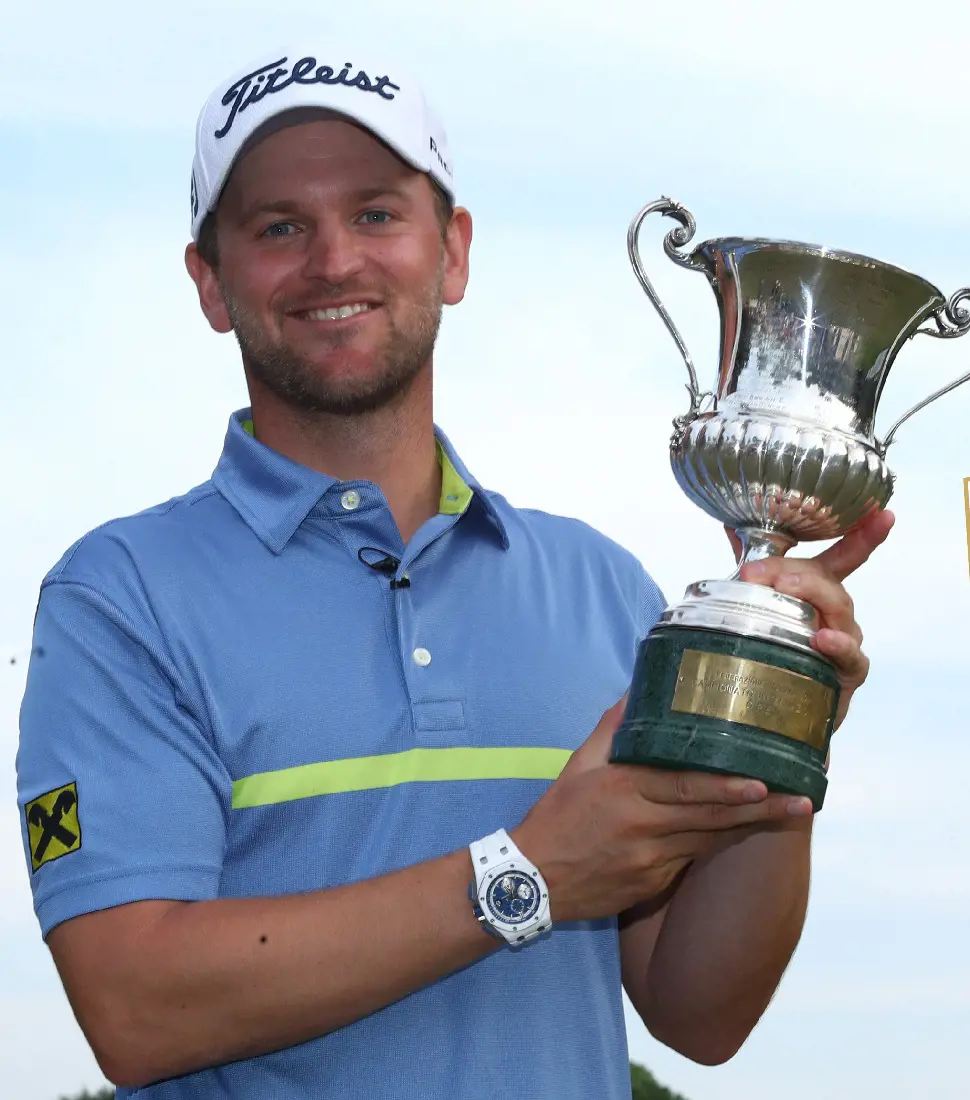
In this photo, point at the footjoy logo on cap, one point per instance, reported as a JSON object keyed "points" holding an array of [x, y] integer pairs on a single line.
{"points": [[276, 76]]}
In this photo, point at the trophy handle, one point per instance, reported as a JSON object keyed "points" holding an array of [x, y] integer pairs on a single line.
{"points": [[675, 239], [951, 319]]}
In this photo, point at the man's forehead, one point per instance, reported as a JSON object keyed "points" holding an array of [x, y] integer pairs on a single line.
{"points": [[311, 139], [287, 120], [315, 151]]}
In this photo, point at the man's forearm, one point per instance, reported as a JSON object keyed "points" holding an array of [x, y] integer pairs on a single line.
{"points": [[725, 941], [205, 983]]}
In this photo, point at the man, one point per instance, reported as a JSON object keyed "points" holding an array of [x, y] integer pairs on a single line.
{"points": [[274, 729]]}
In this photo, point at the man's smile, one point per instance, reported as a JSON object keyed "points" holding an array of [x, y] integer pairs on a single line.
{"points": [[335, 313]]}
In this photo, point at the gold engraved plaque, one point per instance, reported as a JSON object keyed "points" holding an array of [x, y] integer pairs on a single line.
{"points": [[740, 690]]}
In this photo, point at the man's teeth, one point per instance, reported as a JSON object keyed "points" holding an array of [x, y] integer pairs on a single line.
{"points": [[337, 313]]}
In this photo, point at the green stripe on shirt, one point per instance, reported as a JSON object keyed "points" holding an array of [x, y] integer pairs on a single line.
{"points": [[368, 773]]}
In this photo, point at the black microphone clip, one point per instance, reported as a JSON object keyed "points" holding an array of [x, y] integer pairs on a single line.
{"points": [[386, 564]]}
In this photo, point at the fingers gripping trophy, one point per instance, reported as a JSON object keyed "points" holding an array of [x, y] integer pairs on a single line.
{"points": [[782, 450]]}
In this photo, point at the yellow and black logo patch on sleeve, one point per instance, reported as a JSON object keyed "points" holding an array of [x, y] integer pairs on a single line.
{"points": [[53, 826]]}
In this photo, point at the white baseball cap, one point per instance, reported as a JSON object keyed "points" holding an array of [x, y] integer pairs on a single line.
{"points": [[385, 100]]}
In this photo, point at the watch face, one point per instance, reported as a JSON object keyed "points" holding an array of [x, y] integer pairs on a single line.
{"points": [[513, 897]]}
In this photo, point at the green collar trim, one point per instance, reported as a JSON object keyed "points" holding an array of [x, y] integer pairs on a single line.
{"points": [[456, 494]]}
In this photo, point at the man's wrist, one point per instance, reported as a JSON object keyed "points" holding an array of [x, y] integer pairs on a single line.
{"points": [[509, 896]]}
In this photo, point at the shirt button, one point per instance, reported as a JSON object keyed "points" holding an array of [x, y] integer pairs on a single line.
{"points": [[421, 657], [350, 500]]}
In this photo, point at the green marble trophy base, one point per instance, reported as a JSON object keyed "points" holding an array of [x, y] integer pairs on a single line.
{"points": [[714, 701]]}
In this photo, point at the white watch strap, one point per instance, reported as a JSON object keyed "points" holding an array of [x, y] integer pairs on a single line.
{"points": [[497, 847]]}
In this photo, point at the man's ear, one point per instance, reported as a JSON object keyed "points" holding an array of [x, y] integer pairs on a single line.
{"points": [[210, 292], [458, 242]]}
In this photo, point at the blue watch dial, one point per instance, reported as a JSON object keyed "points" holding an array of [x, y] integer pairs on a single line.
{"points": [[513, 897]]}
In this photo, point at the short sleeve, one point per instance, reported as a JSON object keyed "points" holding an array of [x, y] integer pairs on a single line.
{"points": [[122, 797], [652, 604]]}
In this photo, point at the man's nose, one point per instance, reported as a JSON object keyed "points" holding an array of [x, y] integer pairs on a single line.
{"points": [[335, 254]]}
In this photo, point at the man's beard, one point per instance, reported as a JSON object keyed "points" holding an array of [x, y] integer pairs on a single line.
{"points": [[293, 378]]}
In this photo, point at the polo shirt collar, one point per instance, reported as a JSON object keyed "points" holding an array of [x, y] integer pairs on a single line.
{"points": [[274, 495]]}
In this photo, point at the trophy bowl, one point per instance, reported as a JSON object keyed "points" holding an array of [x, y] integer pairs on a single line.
{"points": [[782, 450]]}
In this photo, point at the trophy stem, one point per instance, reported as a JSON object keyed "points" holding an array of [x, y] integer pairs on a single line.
{"points": [[757, 544]]}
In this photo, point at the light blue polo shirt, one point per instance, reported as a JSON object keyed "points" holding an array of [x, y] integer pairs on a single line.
{"points": [[226, 701]]}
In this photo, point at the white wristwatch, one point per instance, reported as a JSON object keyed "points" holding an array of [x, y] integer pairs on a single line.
{"points": [[509, 894]]}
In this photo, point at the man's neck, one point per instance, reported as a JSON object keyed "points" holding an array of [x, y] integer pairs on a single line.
{"points": [[393, 447]]}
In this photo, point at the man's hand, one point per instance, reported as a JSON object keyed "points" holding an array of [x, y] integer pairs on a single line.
{"points": [[608, 836], [818, 581]]}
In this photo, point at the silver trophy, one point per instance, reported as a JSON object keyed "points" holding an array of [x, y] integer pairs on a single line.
{"points": [[781, 449]]}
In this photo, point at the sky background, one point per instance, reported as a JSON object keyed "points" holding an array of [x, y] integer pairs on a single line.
{"points": [[833, 126]]}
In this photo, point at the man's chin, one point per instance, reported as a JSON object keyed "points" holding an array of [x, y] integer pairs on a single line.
{"points": [[349, 402], [341, 396], [344, 382]]}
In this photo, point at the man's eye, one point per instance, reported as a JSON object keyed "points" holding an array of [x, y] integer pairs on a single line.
{"points": [[279, 229], [375, 217]]}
